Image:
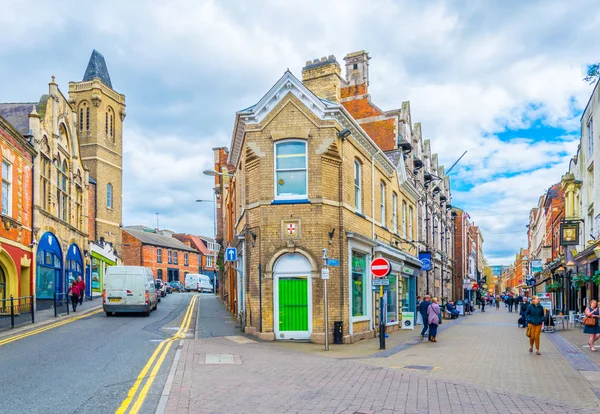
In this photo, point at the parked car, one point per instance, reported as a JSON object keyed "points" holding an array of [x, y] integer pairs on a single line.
{"points": [[162, 287], [129, 289], [177, 286], [169, 287]]}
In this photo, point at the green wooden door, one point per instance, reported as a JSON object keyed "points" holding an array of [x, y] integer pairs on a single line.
{"points": [[293, 304]]}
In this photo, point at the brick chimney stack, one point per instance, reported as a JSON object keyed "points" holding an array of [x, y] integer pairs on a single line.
{"points": [[323, 78]]}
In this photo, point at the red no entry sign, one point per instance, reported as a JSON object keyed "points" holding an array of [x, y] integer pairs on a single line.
{"points": [[380, 267]]}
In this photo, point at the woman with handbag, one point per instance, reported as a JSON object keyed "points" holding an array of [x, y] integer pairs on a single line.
{"points": [[590, 323], [535, 323], [433, 318]]}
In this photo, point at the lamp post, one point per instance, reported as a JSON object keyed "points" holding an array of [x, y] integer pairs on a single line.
{"points": [[214, 238]]}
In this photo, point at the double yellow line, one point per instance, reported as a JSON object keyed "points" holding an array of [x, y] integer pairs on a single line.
{"points": [[158, 356], [14, 338]]}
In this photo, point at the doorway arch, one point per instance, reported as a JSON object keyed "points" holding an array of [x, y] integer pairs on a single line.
{"points": [[292, 297]]}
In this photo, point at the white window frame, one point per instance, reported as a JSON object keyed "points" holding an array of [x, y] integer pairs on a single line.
{"points": [[109, 196], [7, 210], [159, 255], [394, 213], [398, 311], [410, 236], [305, 169], [185, 259], [590, 126], [209, 260], [358, 186], [382, 203], [404, 230]]}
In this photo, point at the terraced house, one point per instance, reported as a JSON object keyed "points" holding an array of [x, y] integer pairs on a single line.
{"points": [[308, 176]]}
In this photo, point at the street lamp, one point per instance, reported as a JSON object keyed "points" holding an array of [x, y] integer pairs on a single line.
{"points": [[214, 239]]}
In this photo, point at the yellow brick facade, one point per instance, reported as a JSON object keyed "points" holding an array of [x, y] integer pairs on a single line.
{"points": [[101, 142], [327, 219]]}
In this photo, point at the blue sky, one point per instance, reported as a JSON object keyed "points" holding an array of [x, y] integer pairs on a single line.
{"points": [[501, 79]]}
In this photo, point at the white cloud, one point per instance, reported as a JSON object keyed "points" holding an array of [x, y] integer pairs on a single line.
{"points": [[472, 70]]}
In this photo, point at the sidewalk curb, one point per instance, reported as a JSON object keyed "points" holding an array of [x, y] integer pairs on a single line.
{"points": [[37, 325], [164, 398]]}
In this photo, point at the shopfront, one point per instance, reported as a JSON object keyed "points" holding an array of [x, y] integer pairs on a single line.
{"points": [[74, 264], [49, 271], [101, 259]]}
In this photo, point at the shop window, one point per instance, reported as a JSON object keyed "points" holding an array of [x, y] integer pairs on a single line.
{"points": [[359, 284], [391, 297], [291, 170]]}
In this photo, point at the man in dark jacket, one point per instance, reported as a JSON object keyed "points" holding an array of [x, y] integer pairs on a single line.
{"points": [[510, 302], [423, 306], [535, 323]]}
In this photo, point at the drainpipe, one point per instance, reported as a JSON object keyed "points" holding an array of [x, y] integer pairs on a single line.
{"points": [[32, 269], [373, 197]]}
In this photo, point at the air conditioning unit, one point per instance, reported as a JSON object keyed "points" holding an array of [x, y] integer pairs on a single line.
{"points": [[408, 321]]}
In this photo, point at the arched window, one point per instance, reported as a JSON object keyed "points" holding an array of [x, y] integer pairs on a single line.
{"points": [[106, 125], [81, 118], [291, 178], [62, 192], [87, 118], [109, 195], [110, 124], [45, 182]]}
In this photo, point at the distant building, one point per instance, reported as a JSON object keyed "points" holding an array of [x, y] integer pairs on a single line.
{"points": [[207, 250], [169, 258]]}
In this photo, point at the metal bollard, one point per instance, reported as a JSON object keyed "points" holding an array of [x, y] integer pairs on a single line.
{"points": [[12, 312], [32, 310]]}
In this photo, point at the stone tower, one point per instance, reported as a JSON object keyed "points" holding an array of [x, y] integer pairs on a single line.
{"points": [[100, 114]]}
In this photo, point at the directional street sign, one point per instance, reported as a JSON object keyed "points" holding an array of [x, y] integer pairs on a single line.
{"points": [[333, 262], [230, 254], [381, 282]]}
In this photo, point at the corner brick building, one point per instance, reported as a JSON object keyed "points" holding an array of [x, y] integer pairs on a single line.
{"points": [[310, 175], [169, 258]]}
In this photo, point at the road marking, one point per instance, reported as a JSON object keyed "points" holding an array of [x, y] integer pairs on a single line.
{"points": [[157, 356], [47, 328]]}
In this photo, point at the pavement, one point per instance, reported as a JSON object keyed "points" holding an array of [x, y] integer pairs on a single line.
{"points": [[479, 364], [88, 365]]}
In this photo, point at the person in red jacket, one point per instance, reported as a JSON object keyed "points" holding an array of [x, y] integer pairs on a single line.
{"points": [[74, 295], [81, 284]]}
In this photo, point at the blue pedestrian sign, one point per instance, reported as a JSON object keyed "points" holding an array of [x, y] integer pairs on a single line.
{"points": [[333, 262], [230, 254]]}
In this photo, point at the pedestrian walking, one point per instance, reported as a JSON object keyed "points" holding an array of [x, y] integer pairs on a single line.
{"points": [[73, 294], [535, 323], [592, 311], [423, 307], [522, 308], [433, 317], [511, 302], [482, 304], [497, 302], [81, 284]]}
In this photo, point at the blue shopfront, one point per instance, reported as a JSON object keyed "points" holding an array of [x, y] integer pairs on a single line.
{"points": [[53, 273]]}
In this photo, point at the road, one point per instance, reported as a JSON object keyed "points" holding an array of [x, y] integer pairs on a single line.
{"points": [[90, 365]]}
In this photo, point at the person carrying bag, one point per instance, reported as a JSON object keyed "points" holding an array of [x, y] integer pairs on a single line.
{"points": [[590, 323]]}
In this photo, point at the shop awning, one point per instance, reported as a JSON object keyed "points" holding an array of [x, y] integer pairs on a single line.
{"points": [[399, 255], [587, 255]]}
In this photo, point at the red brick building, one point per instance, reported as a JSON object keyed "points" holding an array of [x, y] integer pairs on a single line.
{"points": [[15, 214], [169, 258], [206, 248]]}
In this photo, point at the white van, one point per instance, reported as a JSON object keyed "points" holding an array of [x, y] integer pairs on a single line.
{"points": [[129, 289], [201, 283]]}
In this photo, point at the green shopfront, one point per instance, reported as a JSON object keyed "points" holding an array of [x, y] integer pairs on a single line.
{"points": [[101, 258]]}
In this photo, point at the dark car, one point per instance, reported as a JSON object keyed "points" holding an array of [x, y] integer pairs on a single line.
{"points": [[177, 287], [161, 288]]}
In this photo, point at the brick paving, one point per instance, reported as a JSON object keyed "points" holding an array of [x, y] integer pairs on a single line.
{"points": [[479, 365]]}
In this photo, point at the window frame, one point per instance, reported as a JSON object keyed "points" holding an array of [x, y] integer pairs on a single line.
{"points": [[394, 213], [410, 223], [170, 257], [358, 186], [382, 211], [404, 221], [109, 196], [175, 257], [158, 255], [366, 280], [209, 261], [590, 127], [9, 190], [275, 170], [186, 260]]}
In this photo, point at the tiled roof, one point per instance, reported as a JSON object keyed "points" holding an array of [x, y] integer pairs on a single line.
{"points": [[96, 68], [149, 236], [194, 240], [17, 114]]}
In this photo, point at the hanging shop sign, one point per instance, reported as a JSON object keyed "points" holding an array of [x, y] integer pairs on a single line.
{"points": [[569, 233], [425, 258]]}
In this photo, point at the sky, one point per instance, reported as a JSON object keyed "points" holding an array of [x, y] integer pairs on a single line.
{"points": [[500, 79]]}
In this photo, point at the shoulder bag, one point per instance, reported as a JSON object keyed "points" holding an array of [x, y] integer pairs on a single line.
{"points": [[528, 331], [588, 321]]}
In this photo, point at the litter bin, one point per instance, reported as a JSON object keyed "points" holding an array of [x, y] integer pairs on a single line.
{"points": [[338, 333]]}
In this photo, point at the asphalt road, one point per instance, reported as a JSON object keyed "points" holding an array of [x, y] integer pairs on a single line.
{"points": [[89, 365]]}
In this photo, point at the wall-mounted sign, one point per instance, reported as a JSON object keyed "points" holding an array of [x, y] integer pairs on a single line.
{"points": [[425, 258], [569, 233]]}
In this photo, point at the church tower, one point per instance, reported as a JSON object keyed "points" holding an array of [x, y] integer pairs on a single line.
{"points": [[100, 114]]}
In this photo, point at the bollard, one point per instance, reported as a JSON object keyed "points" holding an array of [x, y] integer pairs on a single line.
{"points": [[12, 312], [55, 314], [32, 310]]}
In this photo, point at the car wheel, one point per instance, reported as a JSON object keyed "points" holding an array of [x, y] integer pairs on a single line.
{"points": [[109, 314], [147, 313]]}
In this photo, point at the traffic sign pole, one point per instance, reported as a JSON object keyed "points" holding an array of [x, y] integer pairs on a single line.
{"points": [[325, 271]]}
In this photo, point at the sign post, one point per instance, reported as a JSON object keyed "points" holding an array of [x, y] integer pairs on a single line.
{"points": [[325, 277], [380, 268]]}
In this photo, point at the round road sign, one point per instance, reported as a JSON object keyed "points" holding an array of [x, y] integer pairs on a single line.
{"points": [[380, 267]]}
